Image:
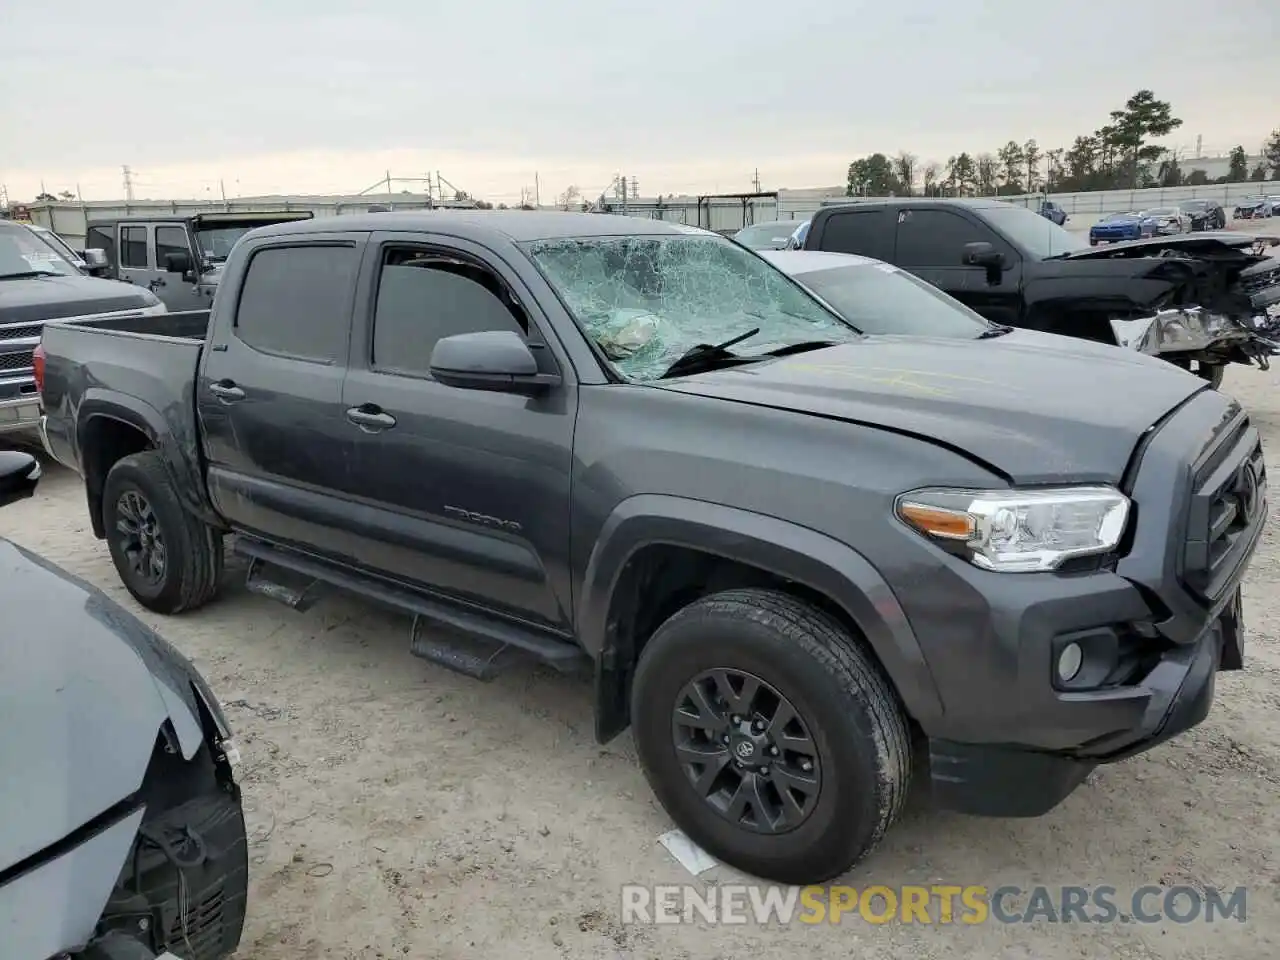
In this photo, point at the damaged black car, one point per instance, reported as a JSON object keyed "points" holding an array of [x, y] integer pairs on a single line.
{"points": [[1200, 301]]}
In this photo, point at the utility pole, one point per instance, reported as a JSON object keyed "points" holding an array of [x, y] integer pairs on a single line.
{"points": [[756, 181], [389, 197], [222, 188], [623, 182], [128, 183], [537, 191]]}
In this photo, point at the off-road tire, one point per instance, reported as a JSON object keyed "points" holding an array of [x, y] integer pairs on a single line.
{"points": [[848, 704], [193, 549]]}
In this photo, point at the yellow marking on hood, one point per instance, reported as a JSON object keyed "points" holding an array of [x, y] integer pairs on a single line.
{"points": [[921, 381]]}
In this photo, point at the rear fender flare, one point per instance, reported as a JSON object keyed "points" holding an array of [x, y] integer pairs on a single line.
{"points": [[182, 467], [786, 550]]}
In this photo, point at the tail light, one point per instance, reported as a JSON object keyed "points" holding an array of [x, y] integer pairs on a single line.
{"points": [[37, 366]]}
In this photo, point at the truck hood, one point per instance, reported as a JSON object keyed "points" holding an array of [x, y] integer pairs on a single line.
{"points": [[1033, 407], [1212, 270], [36, 299], [1209, 244], [84, 692]]}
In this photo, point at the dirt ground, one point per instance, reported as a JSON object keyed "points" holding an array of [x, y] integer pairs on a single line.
{"points": [[399, 810]]}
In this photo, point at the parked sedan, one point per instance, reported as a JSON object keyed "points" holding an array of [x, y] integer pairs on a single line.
{"points": [[1167, 220], [878, 298], [767, 236], [1204, 214], [1120, 226], [1253, 208]]}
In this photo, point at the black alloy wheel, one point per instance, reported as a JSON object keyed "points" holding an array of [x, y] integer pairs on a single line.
{"points": [[140, 539], [166, 556], [746, 750], [770, 734]]}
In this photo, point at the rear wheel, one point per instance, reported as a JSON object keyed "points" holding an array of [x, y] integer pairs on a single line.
{"points": [[167, 558], [770, 735], [1213, 372]]}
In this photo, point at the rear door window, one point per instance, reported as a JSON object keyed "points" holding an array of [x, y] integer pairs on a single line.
{"points": [[296, 301], [860, 232]]}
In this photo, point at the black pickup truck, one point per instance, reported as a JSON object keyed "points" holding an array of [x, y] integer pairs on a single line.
{"points": [[1198, 300], [793, 555]]}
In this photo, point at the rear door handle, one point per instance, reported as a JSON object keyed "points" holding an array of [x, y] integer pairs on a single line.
{"points": [[226, 391], [370, 418]]}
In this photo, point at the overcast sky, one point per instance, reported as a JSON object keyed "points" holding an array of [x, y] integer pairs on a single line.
{"points": [[321, 96]]}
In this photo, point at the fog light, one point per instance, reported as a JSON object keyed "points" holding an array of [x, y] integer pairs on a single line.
{"points": [[1069, 661]]}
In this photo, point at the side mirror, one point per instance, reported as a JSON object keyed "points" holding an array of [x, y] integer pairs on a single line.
{"points": [[178, 262], [19, 474], [94, 258], [982, 254], [495, 360]]}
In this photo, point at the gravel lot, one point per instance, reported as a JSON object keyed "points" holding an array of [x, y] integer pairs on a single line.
{"points": [[399, 810]]}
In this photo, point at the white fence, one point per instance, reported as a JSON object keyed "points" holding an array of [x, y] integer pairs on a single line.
{"points": [[719, 213], [68, 219], [1098, 203]]}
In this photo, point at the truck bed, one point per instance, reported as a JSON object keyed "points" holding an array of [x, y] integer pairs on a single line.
{"points": [[184, 325], [140, 367]]}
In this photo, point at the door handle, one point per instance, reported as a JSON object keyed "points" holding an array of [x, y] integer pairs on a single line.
{"points": [[370, 418], [157, 282], [226, 391]]}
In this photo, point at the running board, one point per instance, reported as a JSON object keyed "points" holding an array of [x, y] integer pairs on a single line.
{"points": [[287, 587], [463, 640]]}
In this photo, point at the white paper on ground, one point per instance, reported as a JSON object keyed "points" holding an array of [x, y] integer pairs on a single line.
{"points": [[687, 853]]}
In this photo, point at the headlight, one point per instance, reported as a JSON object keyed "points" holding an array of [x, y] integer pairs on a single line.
{"points": [[1019, 531], [1172, 331]]}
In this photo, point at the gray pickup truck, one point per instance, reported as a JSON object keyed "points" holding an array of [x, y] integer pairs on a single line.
{"points": [[179, 259], [793, 555]]}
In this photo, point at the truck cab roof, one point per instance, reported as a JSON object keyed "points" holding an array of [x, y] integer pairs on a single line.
{"points": [[518, 226]]}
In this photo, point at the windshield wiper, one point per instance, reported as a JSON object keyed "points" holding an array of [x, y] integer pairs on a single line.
{"points": [[709, 353], [28, 274], [994, 330]]}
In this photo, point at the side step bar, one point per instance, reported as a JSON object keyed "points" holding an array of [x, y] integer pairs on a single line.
{"points": [[462, 640]]}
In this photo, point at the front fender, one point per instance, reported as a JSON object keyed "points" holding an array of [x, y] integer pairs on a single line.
{"points": [[784, 549]]}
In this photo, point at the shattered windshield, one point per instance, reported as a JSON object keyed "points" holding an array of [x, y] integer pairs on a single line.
{"points": [[648, 300]]}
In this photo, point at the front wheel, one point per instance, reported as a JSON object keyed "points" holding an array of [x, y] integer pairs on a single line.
{"points": [[770, 735], [1212, 372], [168, 559]]}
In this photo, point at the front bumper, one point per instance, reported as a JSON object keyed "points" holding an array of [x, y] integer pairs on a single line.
{"points": [[20, 413], [1157, 623], [1014, 781]]}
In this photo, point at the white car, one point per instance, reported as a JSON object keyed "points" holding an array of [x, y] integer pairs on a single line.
{"points": [[1168, 220]]}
